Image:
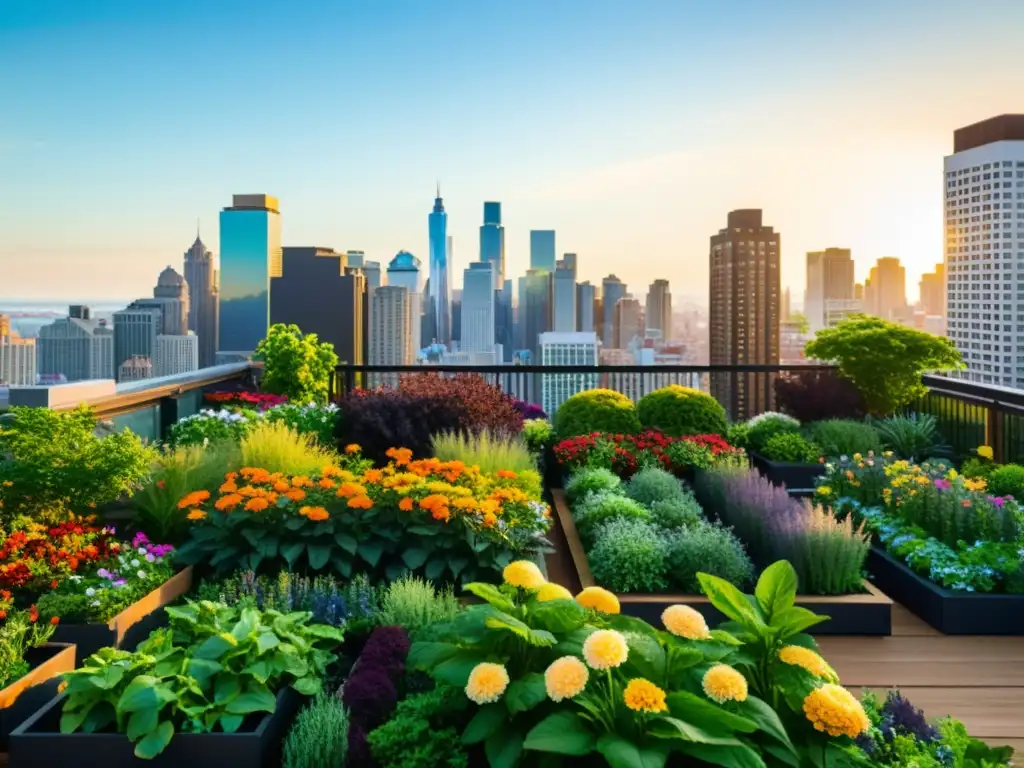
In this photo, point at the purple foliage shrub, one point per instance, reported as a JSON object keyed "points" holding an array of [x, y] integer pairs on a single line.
{"points": [[387, 649], [529, 410], [818, 395], [378, 420]]}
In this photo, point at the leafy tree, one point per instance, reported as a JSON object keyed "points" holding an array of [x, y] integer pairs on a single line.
{"points": [[801, 320], [884, 360], [295, 364]]}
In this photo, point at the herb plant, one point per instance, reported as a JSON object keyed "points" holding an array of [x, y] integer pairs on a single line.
{"points": [[421, 733], [19, 631], [415, 604], [792, 448], [629, 556], [319, 736]]}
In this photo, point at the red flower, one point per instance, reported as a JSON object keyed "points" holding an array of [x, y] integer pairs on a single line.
{"points": [[33, 614], [55, 621]]}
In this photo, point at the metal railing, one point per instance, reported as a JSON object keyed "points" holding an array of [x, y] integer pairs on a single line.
{"points": [[970, 415]]}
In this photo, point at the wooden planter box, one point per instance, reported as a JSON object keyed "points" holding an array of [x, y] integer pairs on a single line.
{"points": [[38, 743], [130, 626], [22, 698], [869, 613], [950, 612], [795, 477]]}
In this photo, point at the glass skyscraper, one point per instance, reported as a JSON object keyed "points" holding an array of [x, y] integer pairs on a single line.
{"points": [[492, 242], [250, 255], [612, 289], [542, 249], [439, 297]]}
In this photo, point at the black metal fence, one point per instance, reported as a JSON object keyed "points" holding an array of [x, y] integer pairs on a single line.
{"points": [[970, 415]]}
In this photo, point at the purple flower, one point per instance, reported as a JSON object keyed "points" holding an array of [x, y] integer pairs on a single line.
{"points": [[942, 484], [899, 716], [120, 582], [150, 557], [998, 501], [103, 573], [161, 550], [140, 540]]}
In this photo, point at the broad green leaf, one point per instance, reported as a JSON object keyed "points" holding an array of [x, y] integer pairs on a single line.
{"points": [[738, 756], [346, 541], [202, 669], [706, 715], [215, 646], [155, 741], [308, 686], [255, 699], [455, 670], [266, 641], [776, 589], [142, 722], [426, 656], [541, 638], [768, 721], [794, 620], [647, 657], [456, 564], [424, 530], [231, 723], [666, 727], [109, 676], [71, 721], [526, 693], [491, 595], [487, 720], [248, 621], [435, 567], [558, 616], [414, 557], [564, 733], [291, 552], [226, 687], [371, 551], [189, 613], [268, 546], [729, 600], [99, 717], [504, 747], [141, 693], [622, 753], [318, 555]]}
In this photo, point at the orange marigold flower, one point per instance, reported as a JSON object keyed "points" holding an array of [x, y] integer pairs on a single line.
{"points": [[257, 505], [348, 490], [490, 520], [399, 455], [296, 494], [248, 491], [301, 481], [229, 486], [490, 507], [434, 501], [352, 448], [373, 476], [33, 614], [405, 504], [360, 502], [314, 513], [507, 474], [196, 514], [230, 501], [281, 486], [325, 482], [441, 513]]}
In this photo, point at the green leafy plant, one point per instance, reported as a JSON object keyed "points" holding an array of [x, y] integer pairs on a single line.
{"points": [[587, 481], [319, 736], [53, 461], [605, 508], [538, 434], [295, 364], [488, 450], [415, 604], [277, 447], [793, 448], [912, 436], [213, 426], [19, 631], [314, 419], [883, 359], [678, 410], [683, 512], [650, 485], [596, 410], [1007, 480], [706, 548], [629, 556], [844, 437], [421, 733], [762, 428], [210, 669]]}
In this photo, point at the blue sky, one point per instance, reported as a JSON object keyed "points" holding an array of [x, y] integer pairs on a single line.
{"points": [[629, 128]]}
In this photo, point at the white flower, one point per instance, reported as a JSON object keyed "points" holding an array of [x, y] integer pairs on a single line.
{"points": [[95, 602], [135, 563], [142, 574], [90, 592], [141, 550]]}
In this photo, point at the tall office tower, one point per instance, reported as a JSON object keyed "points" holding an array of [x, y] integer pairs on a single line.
{"points": [[391, 331], [250, 256], [658, 309], [885, 290], [439, 309], [564, 297], [176, 354], [321, 294], [932, 291], [356, 258], [17, 357], [492, 242], [405, 271], [612, 289], [787, 306], [542, 249], [204, 300], [576, 348], [569, 261], [628, 322], [171, 295], [586, 299], [456, 318], [744, 311], [135, 368], [478, 307], [535, 311], [984, 218], [858, 291], [373, 275], [503, 320], [77, 347], [135, 332], [829, 278]]}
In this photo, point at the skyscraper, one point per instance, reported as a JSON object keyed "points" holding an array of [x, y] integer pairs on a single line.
{"points": [[321, 294], [439, 298], [658, 309], [77, 347], [575, 348], [478, 307], [250, 255], [612, 289], [564, 296], [175, 354], [885, 290], [586, 307], [984, 216], [627, 324], [135, 332], [542, 249], [391, 327], [744, 311], [535, 311], [492, 242], [404, 270], [171, 295], [17, 357], [204, 300], [932, 291], [829, 278]]}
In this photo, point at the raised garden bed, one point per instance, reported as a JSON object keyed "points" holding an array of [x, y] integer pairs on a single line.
{"points": [[131, 625], [869, 613], [38, 742], [950, 612], [23, 697], [795, 477]]}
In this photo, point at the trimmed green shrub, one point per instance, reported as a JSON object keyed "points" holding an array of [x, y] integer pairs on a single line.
{"points": [[678, 410], [1008, 480], [793, 448], [844, 437], [763, 428], [414, 603], [319, 736], [585, 482], [607, 507], [683, 512], [738, 435], [421, 733], [629, 556], [707, 548], [975, 468], [596, 410], [650, 485]]}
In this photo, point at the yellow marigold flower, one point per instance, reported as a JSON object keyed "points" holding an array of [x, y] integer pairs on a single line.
{"points": [[565, 678], [644, 696], [722, 683], [196, 514], [464, 503], [256, 505], [523, 573], [834, 710], [605, 649], [352, 448], [230, 501], [600, 599], [360, 502], [316, 514], [985, 451], [857, 457], [807, 659], [552, 591], [486, 683], [824, 490], [490, 506], [348, 490], [684, 621]]}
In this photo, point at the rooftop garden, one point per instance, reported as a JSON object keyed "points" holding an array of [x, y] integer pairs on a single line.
{"points": [[372, 582]]}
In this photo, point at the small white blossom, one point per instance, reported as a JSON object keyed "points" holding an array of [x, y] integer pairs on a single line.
{"points": [[142, 574], [90, 592], [135, 563]]}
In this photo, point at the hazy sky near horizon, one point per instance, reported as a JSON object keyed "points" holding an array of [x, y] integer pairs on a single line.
{"points": [[629, 128]]}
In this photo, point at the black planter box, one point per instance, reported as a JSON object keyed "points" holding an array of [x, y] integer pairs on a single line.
{"points": [[950, 612], [38, 686], [38, 743], [798, 479]]}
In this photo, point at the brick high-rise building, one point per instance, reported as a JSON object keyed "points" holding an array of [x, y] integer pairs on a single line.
{"points": [[744, 311]]}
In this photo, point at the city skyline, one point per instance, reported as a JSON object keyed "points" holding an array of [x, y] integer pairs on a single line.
{"points": [[839, 156]]}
